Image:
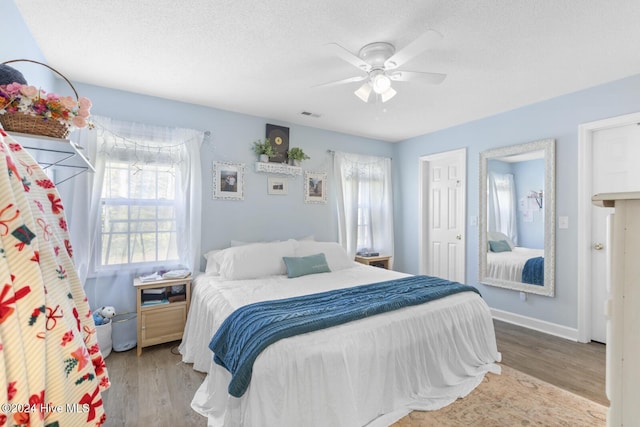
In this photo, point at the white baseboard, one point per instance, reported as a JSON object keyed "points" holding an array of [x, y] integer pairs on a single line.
{"points": [[536, 324]]}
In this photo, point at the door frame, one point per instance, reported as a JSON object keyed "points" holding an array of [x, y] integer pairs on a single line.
{"points": [[585, 192], [423, 206]]}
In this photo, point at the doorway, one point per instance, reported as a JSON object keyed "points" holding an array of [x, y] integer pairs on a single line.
{"points": [[442, 198], [607, 152]]}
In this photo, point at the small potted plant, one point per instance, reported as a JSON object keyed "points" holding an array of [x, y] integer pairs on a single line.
{"points": [[264, 150], [296, 155]]}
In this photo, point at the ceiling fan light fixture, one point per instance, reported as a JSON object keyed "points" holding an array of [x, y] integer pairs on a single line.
{"points": [[388, 94], [364, 92], [380, 82], [380, 64]]}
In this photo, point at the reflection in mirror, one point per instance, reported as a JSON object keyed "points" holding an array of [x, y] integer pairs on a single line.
{"points": [[517, 217]]}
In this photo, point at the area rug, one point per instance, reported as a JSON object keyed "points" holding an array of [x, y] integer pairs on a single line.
{"points": [[512, 399]]}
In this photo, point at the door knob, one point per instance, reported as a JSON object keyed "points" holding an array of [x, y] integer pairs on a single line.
{"points": [[459, 237], [598, 246]]}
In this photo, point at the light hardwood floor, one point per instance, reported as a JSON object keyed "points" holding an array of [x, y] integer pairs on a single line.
{"points": [[576, 367], [156, 388]]}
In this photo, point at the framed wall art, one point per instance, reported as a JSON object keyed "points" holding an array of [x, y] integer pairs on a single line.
{"points": [[315, 187], [228, 181], [277, 185], [279, 139]]}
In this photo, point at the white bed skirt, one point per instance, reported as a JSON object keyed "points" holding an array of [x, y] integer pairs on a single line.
{"points": [[367, 372], [510, 265]]}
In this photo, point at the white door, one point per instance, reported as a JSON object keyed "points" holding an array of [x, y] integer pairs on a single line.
{"points": [[442, 214], [615, 153]]}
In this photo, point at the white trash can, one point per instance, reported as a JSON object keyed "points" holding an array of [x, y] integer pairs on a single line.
{"points": [[103, 334], [125, 331]]}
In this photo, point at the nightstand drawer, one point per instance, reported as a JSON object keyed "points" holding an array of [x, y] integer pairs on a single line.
{"points": [[162, 323]]}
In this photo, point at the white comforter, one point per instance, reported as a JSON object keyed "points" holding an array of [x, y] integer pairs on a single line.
{"points": [[367, 372], [509, 265]]}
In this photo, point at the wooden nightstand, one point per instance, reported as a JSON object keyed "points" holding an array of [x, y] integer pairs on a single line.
{"points": [[376, 261], [161, 322]]}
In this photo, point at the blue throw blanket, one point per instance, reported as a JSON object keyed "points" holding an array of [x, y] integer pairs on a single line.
{"points": [[250, 329], [533, 271]]}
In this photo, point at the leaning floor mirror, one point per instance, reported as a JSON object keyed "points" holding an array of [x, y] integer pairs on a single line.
{"points": [[517, 217]]}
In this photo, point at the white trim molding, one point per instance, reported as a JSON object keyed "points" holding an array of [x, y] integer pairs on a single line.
{"points": [[536, 324]]}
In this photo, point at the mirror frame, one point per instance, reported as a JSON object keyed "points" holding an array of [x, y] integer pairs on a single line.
{"points": [[548, 147]]}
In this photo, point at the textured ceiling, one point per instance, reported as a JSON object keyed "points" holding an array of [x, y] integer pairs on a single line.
{"points": [[264, 58]]}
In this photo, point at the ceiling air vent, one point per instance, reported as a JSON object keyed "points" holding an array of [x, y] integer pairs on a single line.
{"points": [[314, 115]]}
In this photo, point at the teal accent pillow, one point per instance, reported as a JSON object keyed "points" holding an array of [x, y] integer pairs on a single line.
{"points": [[301, 266], [499, 246]]}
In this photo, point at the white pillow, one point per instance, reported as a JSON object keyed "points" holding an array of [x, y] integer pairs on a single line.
{"points": [[243, 243], [335, 254], [254, 260], [496, 235], [212, 268]]}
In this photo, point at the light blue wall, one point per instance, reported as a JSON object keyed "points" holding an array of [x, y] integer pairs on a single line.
{"points": [[499, 166], [268, 217], [259, 216], [529, 175], [557, 118], [22, 46]]}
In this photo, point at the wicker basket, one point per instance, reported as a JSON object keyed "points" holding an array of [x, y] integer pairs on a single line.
{"points": [[25, 123], [34, 125]]}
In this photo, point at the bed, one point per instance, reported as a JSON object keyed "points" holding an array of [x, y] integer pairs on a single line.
{"points": [[506, 261], [370, 371], [517, 265]]}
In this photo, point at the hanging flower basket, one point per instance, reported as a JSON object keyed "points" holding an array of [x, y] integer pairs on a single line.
{"points": [[27, 109]]}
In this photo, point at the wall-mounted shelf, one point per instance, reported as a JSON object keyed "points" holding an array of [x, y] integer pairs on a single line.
{"points": [[279, 168], [537, 196], [63, 156]]}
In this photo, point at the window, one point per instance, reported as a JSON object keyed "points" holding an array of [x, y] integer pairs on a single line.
{"points": [[364, 236], [502, 205], [145, 203], [138, 214], [364, 202]]}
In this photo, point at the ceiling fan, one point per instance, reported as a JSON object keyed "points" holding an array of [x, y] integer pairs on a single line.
{"points": [[379, 62]]}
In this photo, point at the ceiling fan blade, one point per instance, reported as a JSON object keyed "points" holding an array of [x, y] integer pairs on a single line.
{"points": [[343, 81], [412, 49], [352, 59], [364, 92], [405, 76]]}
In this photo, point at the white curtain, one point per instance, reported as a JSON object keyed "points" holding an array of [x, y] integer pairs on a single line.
{"points": [[364, 202], [502, 205], [177, 146]]}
